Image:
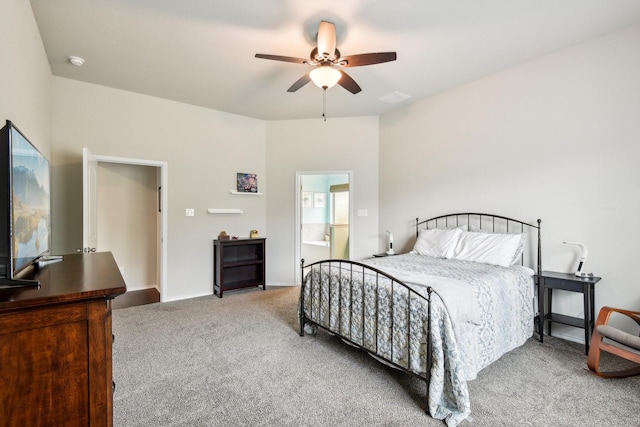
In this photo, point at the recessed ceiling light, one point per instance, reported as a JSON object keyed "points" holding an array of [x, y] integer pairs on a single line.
{"points": [[76, 60], [394, 97]]}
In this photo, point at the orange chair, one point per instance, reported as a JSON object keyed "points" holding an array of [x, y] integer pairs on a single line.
{"points": [[619, 343]]}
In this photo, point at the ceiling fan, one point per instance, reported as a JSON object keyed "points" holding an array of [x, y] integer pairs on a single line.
{"points": [[328, 61]]}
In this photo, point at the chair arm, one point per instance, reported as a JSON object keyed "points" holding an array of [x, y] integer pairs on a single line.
{"points": [[606, 312]]}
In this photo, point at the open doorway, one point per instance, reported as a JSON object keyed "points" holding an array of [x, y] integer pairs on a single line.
{"points": [[124, 211], [128, 227], [323, 216]]}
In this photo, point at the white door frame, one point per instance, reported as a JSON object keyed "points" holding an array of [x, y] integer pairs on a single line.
{"points": [[164, 203], [298, 222], [89, 199]]}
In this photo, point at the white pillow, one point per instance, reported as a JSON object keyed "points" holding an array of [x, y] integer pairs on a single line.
{"points": [[437, 243], [517, 256], [489, 248]]}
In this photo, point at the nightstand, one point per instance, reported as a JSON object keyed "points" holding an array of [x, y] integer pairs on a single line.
{"points": [[550, 280], [383, 254]]}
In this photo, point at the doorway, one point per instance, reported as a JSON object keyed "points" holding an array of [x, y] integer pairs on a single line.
{"points": [[323, 216], [125, 203]]}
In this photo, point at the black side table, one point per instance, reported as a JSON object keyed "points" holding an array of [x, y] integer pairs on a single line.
{"points": [[549, 280]]}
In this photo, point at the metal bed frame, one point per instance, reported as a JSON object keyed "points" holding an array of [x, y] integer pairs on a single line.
{"points": [[483, 222]]}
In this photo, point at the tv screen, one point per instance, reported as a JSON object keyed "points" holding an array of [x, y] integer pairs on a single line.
{"points": [[25, 198]]}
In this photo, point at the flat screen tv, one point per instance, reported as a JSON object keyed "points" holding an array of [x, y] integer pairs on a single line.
{"points": [[25, 205]]}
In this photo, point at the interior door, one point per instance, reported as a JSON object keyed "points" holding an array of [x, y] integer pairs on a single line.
{"points": [[89, 202], [339, 227]]}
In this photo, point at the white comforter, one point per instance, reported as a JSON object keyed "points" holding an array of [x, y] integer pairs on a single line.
{"points": [[479, 312]]}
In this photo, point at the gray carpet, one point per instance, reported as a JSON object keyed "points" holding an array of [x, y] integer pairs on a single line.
{"points": [[239, 361]]}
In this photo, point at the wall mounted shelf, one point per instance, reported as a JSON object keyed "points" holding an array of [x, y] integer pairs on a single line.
{"points": [[244, 194], [224, 211]]}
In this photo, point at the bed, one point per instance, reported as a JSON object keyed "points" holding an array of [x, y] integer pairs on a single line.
{"points": [[458, 301]]}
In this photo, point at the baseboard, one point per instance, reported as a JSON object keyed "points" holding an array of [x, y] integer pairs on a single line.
{"points": [[134, 298], [568, 337]]}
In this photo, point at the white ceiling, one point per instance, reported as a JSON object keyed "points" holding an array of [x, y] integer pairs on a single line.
{"points": [[201, 52]]}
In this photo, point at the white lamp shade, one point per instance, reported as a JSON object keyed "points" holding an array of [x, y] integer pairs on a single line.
{"points": [[325, 76]]}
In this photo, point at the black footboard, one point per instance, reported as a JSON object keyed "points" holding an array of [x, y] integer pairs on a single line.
{"points": [[370, 310]]}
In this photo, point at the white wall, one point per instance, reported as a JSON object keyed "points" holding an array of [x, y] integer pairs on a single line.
{"points": [[557, 138], [314, 145], [204, 150], [25, 75]]}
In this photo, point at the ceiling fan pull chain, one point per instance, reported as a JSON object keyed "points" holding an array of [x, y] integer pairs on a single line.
{"points": [[324, 104]]}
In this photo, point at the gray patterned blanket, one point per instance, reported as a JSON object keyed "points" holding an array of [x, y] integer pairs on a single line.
{"points": [[479, 312]]}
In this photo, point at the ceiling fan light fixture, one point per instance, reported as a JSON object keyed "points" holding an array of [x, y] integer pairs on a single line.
{"points": [[325, 77]]}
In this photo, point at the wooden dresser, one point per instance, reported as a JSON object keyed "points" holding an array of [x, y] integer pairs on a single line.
{"points": [[55, 344]]}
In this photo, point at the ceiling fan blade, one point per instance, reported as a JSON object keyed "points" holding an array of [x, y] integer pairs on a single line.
{"points": [[367, 59], [282, 58], [299, 83], [348, 83], [327, 39]]}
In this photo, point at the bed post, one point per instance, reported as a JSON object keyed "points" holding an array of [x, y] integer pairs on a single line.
{"points": [[429, 348], [417, 228], [539, 248], [301, 303]]}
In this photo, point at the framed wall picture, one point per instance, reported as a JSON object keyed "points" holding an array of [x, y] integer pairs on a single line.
{"points": [[247, 183], [307, 199], [319, 200]]}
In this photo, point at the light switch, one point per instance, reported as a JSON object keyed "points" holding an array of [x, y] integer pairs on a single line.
{"points": [[363, 212], [190, 212]]}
